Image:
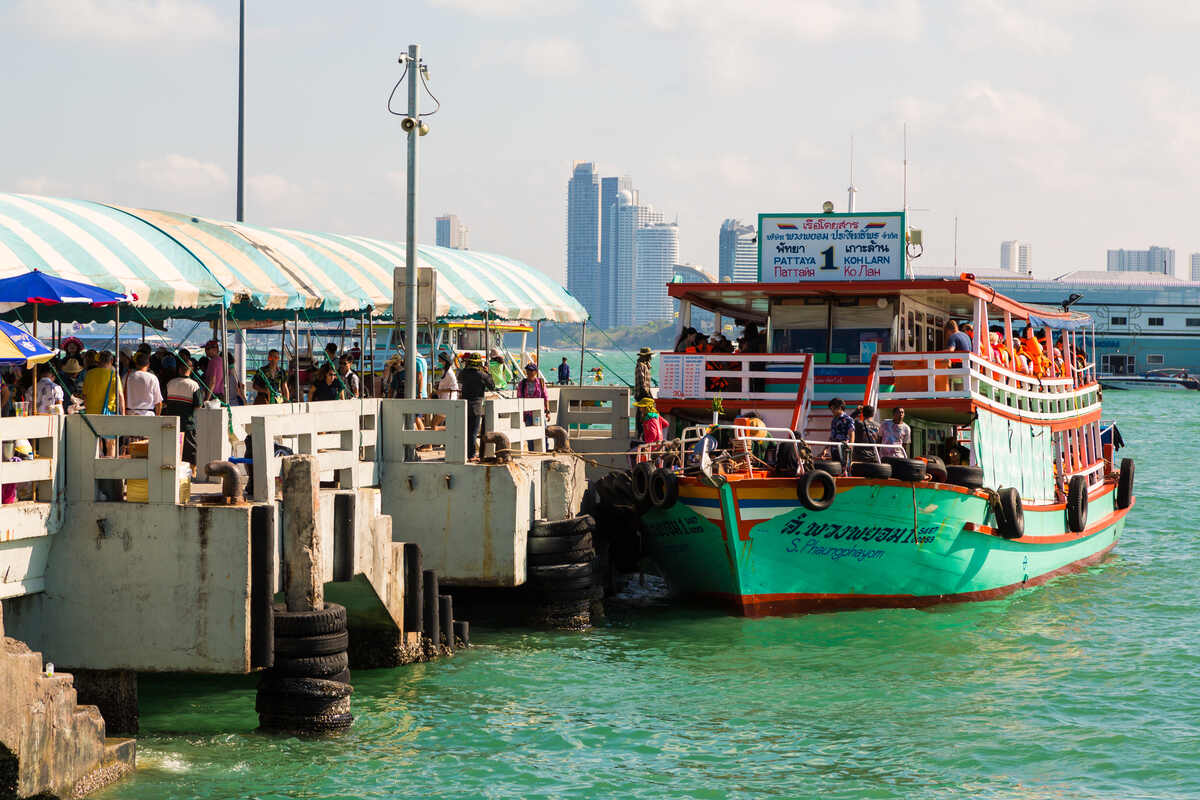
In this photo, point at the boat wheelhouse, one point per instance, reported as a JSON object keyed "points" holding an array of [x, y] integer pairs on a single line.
{"points": [[991, 495]]}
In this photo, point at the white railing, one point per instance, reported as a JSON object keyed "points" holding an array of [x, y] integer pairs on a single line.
{"points": [[401, 433], [951, 376], [600, 411], [219, 431], [709, 375], [507, 416], [43, 432], [334, 438], [161, 469]]}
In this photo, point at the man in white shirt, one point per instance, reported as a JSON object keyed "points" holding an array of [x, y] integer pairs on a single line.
{"points": [[49, 395], [143, 393], [895, 432]]}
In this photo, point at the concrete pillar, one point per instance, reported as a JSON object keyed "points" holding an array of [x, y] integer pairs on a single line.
{"points": [[302, 582], [414, 616], [430, 621]]}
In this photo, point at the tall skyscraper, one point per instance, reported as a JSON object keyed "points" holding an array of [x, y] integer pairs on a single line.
{"points": [[1196, 266], [737, 252], [628, 217], [657, 253], [451, 232], [1016, 256], [609, 188], [583, 234], [1156, 259]]}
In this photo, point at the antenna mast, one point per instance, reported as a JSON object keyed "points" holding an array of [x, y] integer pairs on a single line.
{"points": [[904, 207], [851, 190]]}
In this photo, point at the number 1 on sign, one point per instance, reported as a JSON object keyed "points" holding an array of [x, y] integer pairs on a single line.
{"points": [[828, 253]]}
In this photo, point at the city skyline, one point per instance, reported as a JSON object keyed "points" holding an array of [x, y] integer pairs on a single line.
{"points": [[451, 232]]}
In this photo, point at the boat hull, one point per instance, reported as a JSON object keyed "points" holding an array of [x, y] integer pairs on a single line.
{"points": [[1158, 384], [752, 547]]}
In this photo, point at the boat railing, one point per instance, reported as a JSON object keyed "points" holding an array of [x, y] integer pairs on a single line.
{"points": [[742, 375], [953, 376]]}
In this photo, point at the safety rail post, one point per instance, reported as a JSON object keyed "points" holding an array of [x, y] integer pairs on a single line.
{"points": [[804, 396], [871, 391]]}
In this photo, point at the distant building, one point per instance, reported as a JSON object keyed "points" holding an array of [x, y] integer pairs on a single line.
{"points": [[627, 218], [737, 252], [1016, 256], [609, 188], [1196, 266], [451, 232], [657, 253], [1156, 259], [583, 234]]}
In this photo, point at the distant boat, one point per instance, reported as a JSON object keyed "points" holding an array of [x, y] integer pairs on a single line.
{"points": [[1167, 378]]}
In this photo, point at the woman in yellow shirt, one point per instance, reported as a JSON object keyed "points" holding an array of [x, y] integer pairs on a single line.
{"points": [[102, 388]]}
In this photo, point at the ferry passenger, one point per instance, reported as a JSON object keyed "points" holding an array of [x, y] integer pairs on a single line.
{"points": [[327, 386], [866, 431], [269, 382], [956, 340], [685, 338], [895, 431], [841, 428], [142, 389], [564, 372], [1032, 348], [532, 386], [476, 382], [183, 397], [642, 382], [654, 429]]}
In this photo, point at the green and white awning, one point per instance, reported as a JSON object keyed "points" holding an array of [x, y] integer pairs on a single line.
{"points": [[179, 265]]}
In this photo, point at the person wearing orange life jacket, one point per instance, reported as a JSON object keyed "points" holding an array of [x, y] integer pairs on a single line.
{"points": [[1032, 348]]}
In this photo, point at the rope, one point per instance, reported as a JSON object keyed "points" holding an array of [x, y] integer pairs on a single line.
{"points": [[598, 359]]}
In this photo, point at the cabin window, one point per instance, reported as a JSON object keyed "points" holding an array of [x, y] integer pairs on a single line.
{"points": [[911, 343], [919, 336], [1154, 360], [1156, 322], [930, 338], [1193, 322], [1119, 321]]}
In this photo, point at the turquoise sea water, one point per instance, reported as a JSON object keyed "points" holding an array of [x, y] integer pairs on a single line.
{"points": [[1084, 688]]}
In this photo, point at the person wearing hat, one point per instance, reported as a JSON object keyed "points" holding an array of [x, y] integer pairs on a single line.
{"points": [[476, 381], [69, 372], [654, 427], [211, 373], [642, 382], [531, 386], [501, 375]]}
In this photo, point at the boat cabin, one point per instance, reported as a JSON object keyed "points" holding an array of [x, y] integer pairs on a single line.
{"points": [[884, 343]]}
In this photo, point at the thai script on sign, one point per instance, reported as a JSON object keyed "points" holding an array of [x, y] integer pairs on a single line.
{"points": [[830, 247]]}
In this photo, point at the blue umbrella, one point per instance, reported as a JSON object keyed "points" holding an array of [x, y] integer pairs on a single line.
{"points": [[43, 289]]}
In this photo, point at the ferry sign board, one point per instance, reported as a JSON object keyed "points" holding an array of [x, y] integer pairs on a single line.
{"points": [[795, 248]]}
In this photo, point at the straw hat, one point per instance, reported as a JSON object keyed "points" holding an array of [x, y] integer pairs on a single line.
{"points": [[72, 367], [645, 352]]}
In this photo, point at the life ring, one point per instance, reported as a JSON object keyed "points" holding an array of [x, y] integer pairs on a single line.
{"points": [[664, 488], [1077, 504], [1125, 484], [816, 489], [1010, 514]]}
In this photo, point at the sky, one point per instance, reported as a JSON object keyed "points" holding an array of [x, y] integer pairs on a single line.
{"points": [[1071, 125]]}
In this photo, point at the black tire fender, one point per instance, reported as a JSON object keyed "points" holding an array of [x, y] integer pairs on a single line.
{"points": [[323, 645], [816, 489], [330, 619], [906, 469], [664, 488], [311, 666], [834, 468], [640, 478], [1011, 513], [1124, 497], [964, 475], [869, 469], [1077, 504]]}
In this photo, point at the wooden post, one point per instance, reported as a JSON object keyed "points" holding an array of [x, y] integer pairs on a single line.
{"points": [[413, 588], [303, 583], [446, 617]]}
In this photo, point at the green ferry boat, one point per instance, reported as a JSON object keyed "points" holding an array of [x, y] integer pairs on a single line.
{"points": [[753, 506]]}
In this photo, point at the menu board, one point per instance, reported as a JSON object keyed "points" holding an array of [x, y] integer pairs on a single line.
{"points": [[670, 375], [693, 375]]}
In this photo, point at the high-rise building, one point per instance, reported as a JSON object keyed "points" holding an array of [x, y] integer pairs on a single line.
{"points": [[657, 252], [737, 252], [627, 218], [1196, 266], [1016, 256], [1156, 259], [451, 232], [609, 187], [583, 234]]}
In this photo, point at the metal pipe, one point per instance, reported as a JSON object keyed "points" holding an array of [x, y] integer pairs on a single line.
{"points": [[225, 356], [537, 346], [410, 245], [371, 336], [296, 355], [582, 349]]}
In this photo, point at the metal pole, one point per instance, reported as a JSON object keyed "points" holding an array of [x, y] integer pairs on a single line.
{"points": [[371, 338], [296, 355], [410, 242], [117, 336], [241, 101], [537, 346], [225, 356], [582, 349]]}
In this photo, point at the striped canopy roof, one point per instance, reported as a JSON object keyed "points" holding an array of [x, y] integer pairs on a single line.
{"points": [[184, 266]]}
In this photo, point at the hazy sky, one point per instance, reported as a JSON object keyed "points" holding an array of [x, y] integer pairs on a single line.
{"points": [[1068, 124]]}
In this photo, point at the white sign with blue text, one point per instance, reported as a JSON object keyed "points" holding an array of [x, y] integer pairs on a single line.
{"points": [[797, 248]]}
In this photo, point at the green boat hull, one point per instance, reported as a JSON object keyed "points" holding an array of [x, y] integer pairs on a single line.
{"points": [[751, 545]]}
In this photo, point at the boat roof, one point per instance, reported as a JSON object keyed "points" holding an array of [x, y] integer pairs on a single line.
{"points": [[750, 301]]}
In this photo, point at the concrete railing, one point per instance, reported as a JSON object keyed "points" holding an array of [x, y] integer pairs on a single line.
{"points": [[213, 431], [161, 469], [507, 416], [336, 435], [43, 433], [400, 431]]}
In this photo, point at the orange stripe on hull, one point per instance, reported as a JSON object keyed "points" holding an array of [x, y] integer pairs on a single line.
{"points": [[765, 605]]}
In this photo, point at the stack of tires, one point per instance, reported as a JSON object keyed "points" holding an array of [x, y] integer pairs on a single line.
{"points": [[561, 569], [308, 690]]}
